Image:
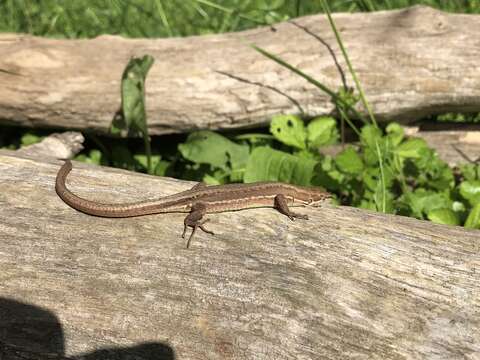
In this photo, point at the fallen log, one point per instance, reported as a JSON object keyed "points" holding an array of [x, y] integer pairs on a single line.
{"points": [[412, 63], [347, 283]]}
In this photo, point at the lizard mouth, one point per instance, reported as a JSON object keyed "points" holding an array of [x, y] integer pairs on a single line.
{"points": [[316, 203]]}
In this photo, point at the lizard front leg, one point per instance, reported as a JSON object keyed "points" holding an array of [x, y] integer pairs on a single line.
{"points": [[281, 204], [193, 220]]}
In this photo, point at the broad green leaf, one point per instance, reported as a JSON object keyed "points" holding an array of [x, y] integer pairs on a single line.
{"points": [[256, 139], [443, 216], [207, 147], [305, 154], [470, 171], [473, 219], [266, 164], [438, 175], [411, 148], [133, 116], [218, 177], [322, 131], [395, 133], [211, 180], [437, 200], [132, 119], [369, 205], [95, 156], [470, 190], [161, 168], [458, 206], [290, 130], [143, 162], [371, 176], [327, 175], [266, 5], [452, 117], [349, 161], [383, 199], [370, 136], [348, 97], [30, 139], [422, 202]]}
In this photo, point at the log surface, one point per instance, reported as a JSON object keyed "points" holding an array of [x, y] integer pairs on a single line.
{"points": [[346, 284], [411, 63]]}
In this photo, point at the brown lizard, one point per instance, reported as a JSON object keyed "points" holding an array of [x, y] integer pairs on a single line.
{"points": [[200, 200]]}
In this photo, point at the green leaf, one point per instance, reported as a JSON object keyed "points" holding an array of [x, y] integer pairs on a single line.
{"points": [[290, 130], [327, 175], [95, 156], [322, 131], [452, 117], [133, 118], [348, 97], [371, 177], [143, 162], [383, 200], [443, 216], [266, 164], [470, 171], [370, 136], [473, 219], [211, 180], [458, 206], [207, 147], [470, 190], [412, 148], [161, 167], [30, 139], [349, 161], [369, 205], [422, 202], [395, 133], [256, 139]]}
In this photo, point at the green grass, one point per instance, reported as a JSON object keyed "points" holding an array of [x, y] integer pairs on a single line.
{"points": [[163, 18]]}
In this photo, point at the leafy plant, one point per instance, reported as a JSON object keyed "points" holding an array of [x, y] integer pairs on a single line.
{"points": [[133, 117]]}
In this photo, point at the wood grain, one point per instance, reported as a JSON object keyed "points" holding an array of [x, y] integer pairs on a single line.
{"points": [[411, 63], [347, 284]]}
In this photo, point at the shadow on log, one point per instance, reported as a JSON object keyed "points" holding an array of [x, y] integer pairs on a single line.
{"points": [[348, 283], [411, 62]]}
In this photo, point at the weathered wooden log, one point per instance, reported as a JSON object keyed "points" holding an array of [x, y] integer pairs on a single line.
{"points": [[347, 283], [59, 146], [411, 62]]}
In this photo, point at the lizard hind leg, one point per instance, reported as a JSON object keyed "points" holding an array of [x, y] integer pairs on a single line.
{"points": [[193, 220]]}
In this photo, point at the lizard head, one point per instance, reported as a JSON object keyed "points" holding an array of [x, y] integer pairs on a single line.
{"points": [[310, 195]]}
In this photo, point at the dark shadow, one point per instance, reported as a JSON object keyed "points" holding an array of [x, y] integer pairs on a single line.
{"points": [[31, 332], [148, 351]]}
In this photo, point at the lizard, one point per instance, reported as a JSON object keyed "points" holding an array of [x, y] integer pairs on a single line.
{"points": [[200, 200]]}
